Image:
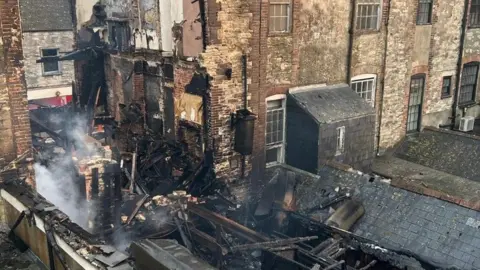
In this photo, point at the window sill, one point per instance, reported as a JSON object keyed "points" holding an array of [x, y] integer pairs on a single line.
{"points": [[467, 104], [280, 34], [445, 96], [272, 164], [366, 31], [52, 74], [473, 26], [424, 24]]}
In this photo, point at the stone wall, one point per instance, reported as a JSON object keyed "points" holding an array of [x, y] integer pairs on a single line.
{"points": [[234, 37], [15, 136], [33, 43], [400, 39], [443, 57]]}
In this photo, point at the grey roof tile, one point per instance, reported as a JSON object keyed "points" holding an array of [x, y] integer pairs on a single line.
{"points": [[332, 103], [46, 15], [428, 227], [454, 154]]}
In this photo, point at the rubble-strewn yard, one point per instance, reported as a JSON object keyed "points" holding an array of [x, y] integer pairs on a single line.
{"points": [[12, 258]]}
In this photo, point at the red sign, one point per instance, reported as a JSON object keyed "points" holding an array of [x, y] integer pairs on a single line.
{"points": [[49, 102]]}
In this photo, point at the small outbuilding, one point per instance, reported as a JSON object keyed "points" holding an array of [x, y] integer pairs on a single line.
{"points": [[329, 123]]}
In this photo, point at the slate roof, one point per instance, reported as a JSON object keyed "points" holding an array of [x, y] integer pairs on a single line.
{"points": [[435, 231], [441, 232], [46, 15], [444, 151], [332, 103]]}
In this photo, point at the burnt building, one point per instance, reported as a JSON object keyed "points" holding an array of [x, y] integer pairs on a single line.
{"points": [[48, 31]]}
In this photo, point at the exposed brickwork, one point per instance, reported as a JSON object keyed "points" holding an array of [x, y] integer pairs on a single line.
{"points": [[15, 134], [235, 37]]}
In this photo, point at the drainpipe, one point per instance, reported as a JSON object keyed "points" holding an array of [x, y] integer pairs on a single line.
{"points": [[384, 67], [203, 18], [350, 40], [459, 64]]}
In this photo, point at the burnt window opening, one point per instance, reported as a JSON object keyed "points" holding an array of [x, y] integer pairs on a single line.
{"points": [[424, 12], [475, 14], [417, 85], [280, 16], [468, 83], [50, 67], [368, 14], [119, 36], [446, 86]]}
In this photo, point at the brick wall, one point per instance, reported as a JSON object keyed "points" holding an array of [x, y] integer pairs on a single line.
{"points": [[234, 34], [33, 43], [15, 134]]}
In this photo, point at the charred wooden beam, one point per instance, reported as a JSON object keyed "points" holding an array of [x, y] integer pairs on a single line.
{"points": [[227, 224], [209, 242], [337, 264], [370, 265], [272, 244], [322, 246]]}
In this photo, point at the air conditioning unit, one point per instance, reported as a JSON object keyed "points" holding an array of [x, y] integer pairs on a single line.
{"points": [[466, 123]]}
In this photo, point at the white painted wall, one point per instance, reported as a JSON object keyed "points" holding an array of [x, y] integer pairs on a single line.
{"points": [[84, 11], [39, 93], [170, 11]]}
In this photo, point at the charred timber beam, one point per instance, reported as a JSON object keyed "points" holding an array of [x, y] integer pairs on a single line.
{"points": [[339, 253], [205, 239], [272, 244], [185, 240], [370, 265], [228, 224], [333, 266], [322, 246], [137, 208], [54, 246], [333, 247]]}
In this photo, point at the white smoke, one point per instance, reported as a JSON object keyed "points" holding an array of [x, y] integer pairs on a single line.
{"points": [[57, 183]]}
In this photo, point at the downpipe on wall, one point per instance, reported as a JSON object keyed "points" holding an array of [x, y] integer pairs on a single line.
{"points": [[351, 37], [384, 68], [459, 66]]}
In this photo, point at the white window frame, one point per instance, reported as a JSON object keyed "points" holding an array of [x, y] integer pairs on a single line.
{"points": [[289, 16], [363, 78], [281, 158], [59, 63], [367, 3], [340, 145]]}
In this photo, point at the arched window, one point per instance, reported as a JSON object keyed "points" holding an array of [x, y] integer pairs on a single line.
{"points": [[365, 86]]}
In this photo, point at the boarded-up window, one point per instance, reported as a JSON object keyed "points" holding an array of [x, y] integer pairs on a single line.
{"points": [[475, 13], [368, 14], [280, 13]]}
